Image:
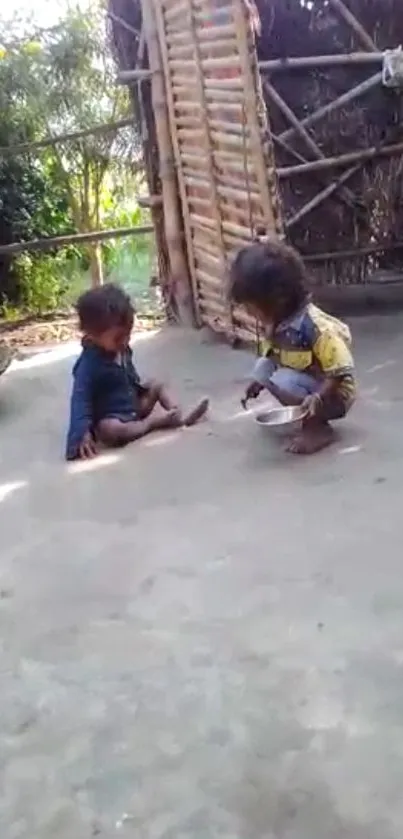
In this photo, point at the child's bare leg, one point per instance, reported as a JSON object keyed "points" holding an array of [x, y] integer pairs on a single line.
{"points": [[155, 394], [316, 433], [114, 432], [158, 394]]}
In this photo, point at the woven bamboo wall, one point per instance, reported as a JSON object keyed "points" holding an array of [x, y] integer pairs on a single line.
{"points": [[221, 144]]}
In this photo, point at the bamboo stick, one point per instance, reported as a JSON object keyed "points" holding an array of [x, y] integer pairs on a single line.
{"points": [[210, 34], [213, 262], [172, 218], [346, 195], [123, 23], [344, 99], [250, 111], [102, 128], [360, 156], [216, 309], [289, 149], [202, 15], [316, 61], [178, 10], [320, 197], [177, 51], [237, 230], [227, 96], [223, 85], [204, 245], [54, 242], [213, 284], [348, 17], [186, 65], [216, 32], [291, 118], [130, 76], [219, 138], [227, 62], [176, 147], [350, 253]]}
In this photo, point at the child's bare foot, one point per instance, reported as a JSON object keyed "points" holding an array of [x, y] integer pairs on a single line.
{"points": [[313, 438], [169, 419], [197, 413]]}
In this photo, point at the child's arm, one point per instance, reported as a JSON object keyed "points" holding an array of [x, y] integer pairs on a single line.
{"points": [[336, 362], [80, 440]]}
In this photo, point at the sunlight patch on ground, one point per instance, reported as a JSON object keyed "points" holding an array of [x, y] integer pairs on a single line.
{"points": [[41, 358], [8, 488], [161, 438], [94, 464]]}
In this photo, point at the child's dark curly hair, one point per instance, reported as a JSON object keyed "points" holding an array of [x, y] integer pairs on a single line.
{"points": [[271, 276], [102, 308]]}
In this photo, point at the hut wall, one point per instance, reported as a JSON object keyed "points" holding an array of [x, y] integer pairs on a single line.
{"points": [[362, 217], [231, 166]]}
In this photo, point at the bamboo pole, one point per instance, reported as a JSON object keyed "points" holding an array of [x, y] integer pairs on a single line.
{"points": [[348, 17], [172, 217], [313, 62], [291, 118], [102, 128], [53, 242], [251, 115], [367, 250], [344, 99], [360, 156], [123, 23], [320, 197], [209, 154], [130, 76], [345, 193], [279, 64], [174, 134]]}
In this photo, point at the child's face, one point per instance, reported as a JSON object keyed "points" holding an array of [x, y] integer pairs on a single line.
{"points": [[116, 338]]}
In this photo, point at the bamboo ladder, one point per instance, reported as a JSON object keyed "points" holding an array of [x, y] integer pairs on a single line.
{"points": [[221, 145]]}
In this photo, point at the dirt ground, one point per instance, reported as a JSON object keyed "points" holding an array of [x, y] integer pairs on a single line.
{"points": [[202, 637]]}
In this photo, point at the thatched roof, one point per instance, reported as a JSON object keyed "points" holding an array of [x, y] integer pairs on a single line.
{"points": [[298, 28]]}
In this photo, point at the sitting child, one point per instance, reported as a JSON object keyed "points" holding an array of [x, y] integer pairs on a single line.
{"points": [[307, 359], [109, 403]]}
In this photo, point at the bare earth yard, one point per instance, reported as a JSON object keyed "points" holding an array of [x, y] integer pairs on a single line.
{"points": [[201, 637]]}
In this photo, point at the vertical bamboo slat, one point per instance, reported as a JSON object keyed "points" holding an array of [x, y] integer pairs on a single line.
{"points": [[172, 216], [241, 25], [215, 199], [175, 144]]}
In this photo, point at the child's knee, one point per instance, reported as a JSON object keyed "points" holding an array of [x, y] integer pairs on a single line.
{"points": [[263, 371], [292, 382]]}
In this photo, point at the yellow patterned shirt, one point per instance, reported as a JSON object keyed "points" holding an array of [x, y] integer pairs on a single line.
{"points": [[316, 343]]}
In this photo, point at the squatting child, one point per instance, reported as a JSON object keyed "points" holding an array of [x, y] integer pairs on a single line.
{"points": [[307, 356], [110, 404]]}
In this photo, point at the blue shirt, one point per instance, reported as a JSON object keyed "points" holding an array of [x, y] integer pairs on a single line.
{"points": [[104, 386]]}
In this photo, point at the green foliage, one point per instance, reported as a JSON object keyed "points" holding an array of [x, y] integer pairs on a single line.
{"points": [[53, 82], [41, 281]]}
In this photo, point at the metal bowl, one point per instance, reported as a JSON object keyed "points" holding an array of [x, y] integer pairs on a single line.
{"points": [[281, 421]]}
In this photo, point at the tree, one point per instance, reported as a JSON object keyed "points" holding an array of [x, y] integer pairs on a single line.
{"points": [[32, 201], [65, 81]]}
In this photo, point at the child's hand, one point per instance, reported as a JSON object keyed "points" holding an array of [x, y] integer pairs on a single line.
{"points": [[312, 405], [87, 448], [253, 390]]}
